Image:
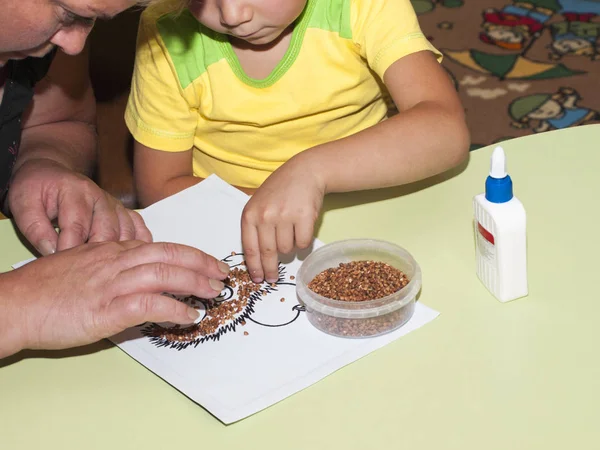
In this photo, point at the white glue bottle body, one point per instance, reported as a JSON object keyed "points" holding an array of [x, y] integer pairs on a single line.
{"points": [[500, 234]]}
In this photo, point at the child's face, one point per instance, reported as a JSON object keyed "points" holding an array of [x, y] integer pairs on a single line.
{"points": [[257, 22]]}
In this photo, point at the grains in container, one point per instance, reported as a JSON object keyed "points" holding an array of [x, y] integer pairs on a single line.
{"points": [[359, 287]]}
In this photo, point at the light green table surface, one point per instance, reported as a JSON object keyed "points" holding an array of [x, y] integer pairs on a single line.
{"points": [[483, 375]]}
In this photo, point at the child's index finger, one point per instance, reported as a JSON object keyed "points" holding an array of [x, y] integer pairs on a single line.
{"points": [[268, 252], [252, 252]]}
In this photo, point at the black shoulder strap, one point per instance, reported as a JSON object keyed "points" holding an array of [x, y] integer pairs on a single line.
{"points": [[18, 93]]}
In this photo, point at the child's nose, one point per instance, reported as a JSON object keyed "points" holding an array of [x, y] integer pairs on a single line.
{"points": [[234, 13]]}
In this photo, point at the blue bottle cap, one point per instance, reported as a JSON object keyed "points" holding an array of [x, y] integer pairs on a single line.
{"points": [[498, 185], [498, 190]]}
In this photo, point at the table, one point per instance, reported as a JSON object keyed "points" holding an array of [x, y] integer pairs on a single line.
{"points": [[520, 375]]}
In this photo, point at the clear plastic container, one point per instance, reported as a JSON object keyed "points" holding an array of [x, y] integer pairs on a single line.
{"points": [[359, 319]]}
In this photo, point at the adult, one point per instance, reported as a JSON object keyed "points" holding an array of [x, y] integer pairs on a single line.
{"points": [[101, 274]]}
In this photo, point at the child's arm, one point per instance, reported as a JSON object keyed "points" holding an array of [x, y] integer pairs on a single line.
{"points": [[427, 137], [159, 174]]}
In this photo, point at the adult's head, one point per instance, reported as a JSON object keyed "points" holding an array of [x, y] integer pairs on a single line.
{"points": [[34, 27]]}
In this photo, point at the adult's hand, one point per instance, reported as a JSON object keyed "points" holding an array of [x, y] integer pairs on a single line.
{"points": [[94, 291], [43, 190]]}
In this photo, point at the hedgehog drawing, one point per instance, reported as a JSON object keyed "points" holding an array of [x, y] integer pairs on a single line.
{"points": [[240, 302]]}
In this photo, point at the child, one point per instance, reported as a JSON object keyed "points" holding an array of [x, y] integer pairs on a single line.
{"points": [[288, 98]]}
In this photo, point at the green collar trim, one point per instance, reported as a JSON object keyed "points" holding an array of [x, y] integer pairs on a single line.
{"points": [[286, 62]]}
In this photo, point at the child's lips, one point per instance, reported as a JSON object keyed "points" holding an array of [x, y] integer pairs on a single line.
{"points": [[244, 36]]}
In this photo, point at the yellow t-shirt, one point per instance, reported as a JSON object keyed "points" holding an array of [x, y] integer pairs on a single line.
{"points": [[189, 90]]}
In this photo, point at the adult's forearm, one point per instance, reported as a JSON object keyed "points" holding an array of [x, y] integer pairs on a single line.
{"points": [[413, 145], [10, 328], [69, 143]]}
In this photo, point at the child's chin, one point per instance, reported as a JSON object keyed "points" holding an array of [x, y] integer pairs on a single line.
{"points": [[267, 39], [260, 41]]}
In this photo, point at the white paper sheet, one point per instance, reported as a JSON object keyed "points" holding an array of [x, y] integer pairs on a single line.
{"points": [[241, 369], [22, 263]]}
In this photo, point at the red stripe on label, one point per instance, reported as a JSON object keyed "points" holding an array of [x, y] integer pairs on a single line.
{"points": [[485, 233]]}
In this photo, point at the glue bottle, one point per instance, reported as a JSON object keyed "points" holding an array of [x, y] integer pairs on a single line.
{"points": [[500, 234]]}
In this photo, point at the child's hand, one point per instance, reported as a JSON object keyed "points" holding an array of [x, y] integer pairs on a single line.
{"points": [[281, 215]]}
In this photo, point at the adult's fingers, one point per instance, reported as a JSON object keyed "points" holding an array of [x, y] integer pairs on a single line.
{"points": [[126, 224], [177, 255], [161, 277], [268, 252], [252, 252], [128, 245], [142, 232], [33, 221], [131, 310], [106, 220], [75, 220]]}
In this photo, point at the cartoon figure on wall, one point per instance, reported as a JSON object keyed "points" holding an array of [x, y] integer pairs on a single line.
{"points": [[516, 28], [241, 302], [550, 111], [517, 24], [578, 34]]}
